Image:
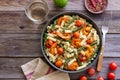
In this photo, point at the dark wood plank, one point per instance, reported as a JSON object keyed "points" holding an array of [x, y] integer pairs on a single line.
{"points": [[28, 45], [11, 22], [10, 68], [15, 5]]}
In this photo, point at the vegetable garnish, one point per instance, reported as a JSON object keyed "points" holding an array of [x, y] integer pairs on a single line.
{"points": [[53, 26], [76, 29], [72, 20], [92, 44], [76, 56], [45, 36], [66, 62], [71, 42]]}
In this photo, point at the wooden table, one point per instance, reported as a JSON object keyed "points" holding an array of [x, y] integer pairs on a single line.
{"points": [[20, 39]]}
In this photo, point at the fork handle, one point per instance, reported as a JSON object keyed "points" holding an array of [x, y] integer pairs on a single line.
{"points": [[100, 60]]}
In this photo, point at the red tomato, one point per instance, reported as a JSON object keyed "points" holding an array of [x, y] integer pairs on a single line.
{"points": [[113, 66], [91, 71], [111, 76], [49, 43], [83, 78], [59, 63], [89, 41], [78, 23], [82, 58], [60, 50], [100, 78], [76, 34]]}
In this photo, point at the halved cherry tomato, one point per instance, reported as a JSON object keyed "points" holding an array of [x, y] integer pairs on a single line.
{"points": [[49, 43], [76, 34], [113, 66], [100, 78], [60, 50], [111, 76], [82, 58], [52, 49], [76, 43], [78, 23], [91, 71], [89, 41], [59, 63], [73, 66], [83, 78]]}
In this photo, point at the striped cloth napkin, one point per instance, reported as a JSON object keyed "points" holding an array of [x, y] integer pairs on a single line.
{"points": [[37, 69]]}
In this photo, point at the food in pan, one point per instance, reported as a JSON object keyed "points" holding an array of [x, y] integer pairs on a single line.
{"points": [[71, 42]]}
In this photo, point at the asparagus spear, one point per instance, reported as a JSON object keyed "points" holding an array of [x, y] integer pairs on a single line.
{"points": [[53, 26], [92, 55], [76, 29], [73, 18], [92, 44], [66, 62], [76, 56]]}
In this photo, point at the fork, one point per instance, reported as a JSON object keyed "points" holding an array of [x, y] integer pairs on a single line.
{"points": [[105, 29]]}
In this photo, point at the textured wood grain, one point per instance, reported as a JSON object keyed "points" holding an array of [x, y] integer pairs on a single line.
{"points": [[20, 38], [28, 45], [11, 22], [15, 5], [11, 68]]}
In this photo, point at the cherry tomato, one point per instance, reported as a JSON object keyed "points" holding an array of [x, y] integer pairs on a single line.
{"points": [[89, 41], [91, 71], [78, 23], [60, 50], [49, 43], [100, 78], [73, 66], [111, 76], [83, 78], [82, 58], [59, 63], [76, 34], [113, 66], [52, 48]]}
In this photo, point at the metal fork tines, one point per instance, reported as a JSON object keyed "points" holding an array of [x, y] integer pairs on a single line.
{"points": [[104, 31]]}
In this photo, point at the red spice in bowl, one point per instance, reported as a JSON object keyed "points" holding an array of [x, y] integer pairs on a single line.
{"points": [[96, 6]]}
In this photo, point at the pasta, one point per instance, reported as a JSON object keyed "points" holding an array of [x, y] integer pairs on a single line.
{"points": [[71, 42]]}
